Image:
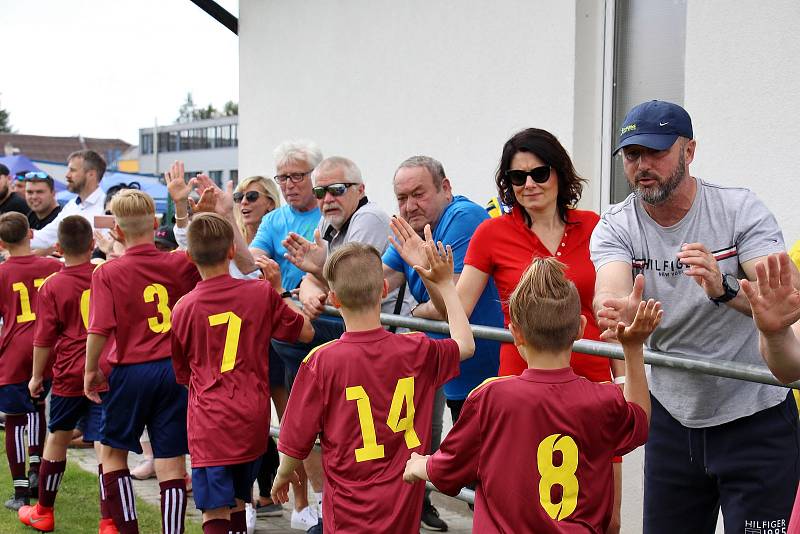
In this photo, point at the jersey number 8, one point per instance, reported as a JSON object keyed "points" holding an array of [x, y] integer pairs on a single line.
{"points": [[562, 475]]}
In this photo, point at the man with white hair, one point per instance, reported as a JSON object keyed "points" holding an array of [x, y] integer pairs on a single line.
{"points": [[294, 162]]}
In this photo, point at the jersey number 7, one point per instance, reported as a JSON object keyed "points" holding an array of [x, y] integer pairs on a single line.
{"points": [[403, 394], [26, 314]]}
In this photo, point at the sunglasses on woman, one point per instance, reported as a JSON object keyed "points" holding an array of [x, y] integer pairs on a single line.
{"points": [[539, 174], [336, 190], [251, 196]]}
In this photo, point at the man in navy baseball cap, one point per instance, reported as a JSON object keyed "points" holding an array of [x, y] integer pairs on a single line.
{"points": [[655, 124]]}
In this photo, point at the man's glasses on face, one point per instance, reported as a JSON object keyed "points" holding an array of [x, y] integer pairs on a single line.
{"points": [[295, 177], [336, 190]]}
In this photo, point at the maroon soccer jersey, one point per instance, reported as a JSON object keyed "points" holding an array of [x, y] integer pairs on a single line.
{"points": [[369, 396], [62, 316], [20, 279], [220, 348], [540, 445], [132, 299]]}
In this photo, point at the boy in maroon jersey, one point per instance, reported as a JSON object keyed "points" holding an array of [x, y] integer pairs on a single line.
{"points": [[132, 299], [20, 277], [221, 332], [369, 396], [62, 316], [540, 444]]}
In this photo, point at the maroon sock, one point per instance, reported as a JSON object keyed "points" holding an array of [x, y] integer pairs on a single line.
{"points": [[16, 453], [217, 526], [121, 502], [173, 505], [37, 430], [239, 522], [105, 513], [50, 475]]}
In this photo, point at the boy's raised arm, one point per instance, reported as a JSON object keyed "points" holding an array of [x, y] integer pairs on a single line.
{"points": [[632, 337], [438, 278]]}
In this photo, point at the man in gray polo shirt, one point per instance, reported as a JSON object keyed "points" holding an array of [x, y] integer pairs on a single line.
{"points": [[713, 441]]}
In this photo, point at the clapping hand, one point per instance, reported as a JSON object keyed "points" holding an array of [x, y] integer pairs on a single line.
{"points": [[307, 256], [439, 263], [619, 310], [773, 299], [178, 189], [648, 315], [407, 242]]}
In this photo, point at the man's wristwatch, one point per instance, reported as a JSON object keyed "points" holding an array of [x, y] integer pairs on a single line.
{"points": [[286, 294], [731, 286]]}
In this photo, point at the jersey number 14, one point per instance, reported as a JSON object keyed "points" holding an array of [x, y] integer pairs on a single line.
{"points": [[403, 394]]}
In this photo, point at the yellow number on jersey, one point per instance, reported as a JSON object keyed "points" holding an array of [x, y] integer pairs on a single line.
{"points": [[26, 314], [85, 308], [159, 292], [371, 450], [562, 475], [403, 393], [231, 337]]}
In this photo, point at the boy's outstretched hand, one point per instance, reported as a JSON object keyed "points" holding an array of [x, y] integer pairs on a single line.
{"points": [[416, 468], [440, 263], [647, 317], [271, 272]]}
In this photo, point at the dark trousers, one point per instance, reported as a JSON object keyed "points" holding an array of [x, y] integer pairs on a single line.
{"points": [[749, 467]]}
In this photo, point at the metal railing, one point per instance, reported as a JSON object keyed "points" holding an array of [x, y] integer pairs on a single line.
{"points": [[738, 371]]}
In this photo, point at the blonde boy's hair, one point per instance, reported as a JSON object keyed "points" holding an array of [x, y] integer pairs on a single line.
{"points": [[210, 237], [355, 272], [134, 212], [545, 306]]}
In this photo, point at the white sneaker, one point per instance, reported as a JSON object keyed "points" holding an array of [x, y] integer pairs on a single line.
{"points": [[250, 518], [304, 519]]}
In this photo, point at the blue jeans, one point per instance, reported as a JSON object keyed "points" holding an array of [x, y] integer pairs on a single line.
{"points": [[292, 354]]}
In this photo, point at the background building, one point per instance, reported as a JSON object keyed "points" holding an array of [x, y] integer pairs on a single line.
{"points": [[57, 149], [380, 81], [208, 146]]}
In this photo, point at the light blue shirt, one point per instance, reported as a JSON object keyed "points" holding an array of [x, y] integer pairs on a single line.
{"points": [[274, 228]]}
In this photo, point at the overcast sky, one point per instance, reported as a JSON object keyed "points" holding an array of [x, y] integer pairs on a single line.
{"points": [[105, 68]]}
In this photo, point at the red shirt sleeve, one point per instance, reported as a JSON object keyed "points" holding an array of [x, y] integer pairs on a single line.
{"points": [[627, 427], [47, 326], [180, 340], [286, 323], [456, 462], [445, 354], [479, 252], [302, 421], [102, 320]]}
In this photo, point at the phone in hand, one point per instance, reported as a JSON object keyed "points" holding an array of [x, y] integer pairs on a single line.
{"points": [[104, 221]]}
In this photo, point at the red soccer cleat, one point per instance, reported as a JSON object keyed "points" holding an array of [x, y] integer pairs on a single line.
{"points": [[38, 517], [107, 526]]}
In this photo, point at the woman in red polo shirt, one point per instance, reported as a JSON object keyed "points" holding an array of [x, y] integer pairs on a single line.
{"points": [[537, 180]]}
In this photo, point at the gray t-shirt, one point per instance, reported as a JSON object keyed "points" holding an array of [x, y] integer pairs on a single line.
{"points": [[733, 224], [369, 225]]}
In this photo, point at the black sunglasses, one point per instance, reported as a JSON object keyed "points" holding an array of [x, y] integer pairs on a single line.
{"points": [[336, 190], [539, 174], [251, 196]]}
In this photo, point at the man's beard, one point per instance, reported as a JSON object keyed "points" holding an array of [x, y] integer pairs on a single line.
{"points": [[660, 193], [4, 192]]}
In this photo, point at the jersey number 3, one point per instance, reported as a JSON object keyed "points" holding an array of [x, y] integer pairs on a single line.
{"points": [[562, 475], [157, 292], [403, 394]]}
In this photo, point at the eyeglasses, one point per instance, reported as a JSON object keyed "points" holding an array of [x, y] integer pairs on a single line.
{"points": [[35, 175], [251, 196], [336, 190], [295, 177], [539, 174]]}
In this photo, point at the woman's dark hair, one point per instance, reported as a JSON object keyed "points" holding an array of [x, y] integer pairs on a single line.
{"points": [[114, 189], [546, 147]]}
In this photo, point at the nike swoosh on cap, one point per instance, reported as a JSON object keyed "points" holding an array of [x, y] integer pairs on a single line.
{"points": [[663, 123]]}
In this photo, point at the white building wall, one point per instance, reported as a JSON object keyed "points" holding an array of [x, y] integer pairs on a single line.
{"points": [[742, 80], [378, 81]]}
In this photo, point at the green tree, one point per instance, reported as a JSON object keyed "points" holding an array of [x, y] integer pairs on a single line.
{"points": [[209, 112], [231, 108], [5, 126]]}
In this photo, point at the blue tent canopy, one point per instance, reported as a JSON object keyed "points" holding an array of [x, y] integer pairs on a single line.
{"points": [[20, 163]]}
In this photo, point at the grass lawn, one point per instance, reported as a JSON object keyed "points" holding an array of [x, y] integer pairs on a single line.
{"points": [[77, 505]]}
